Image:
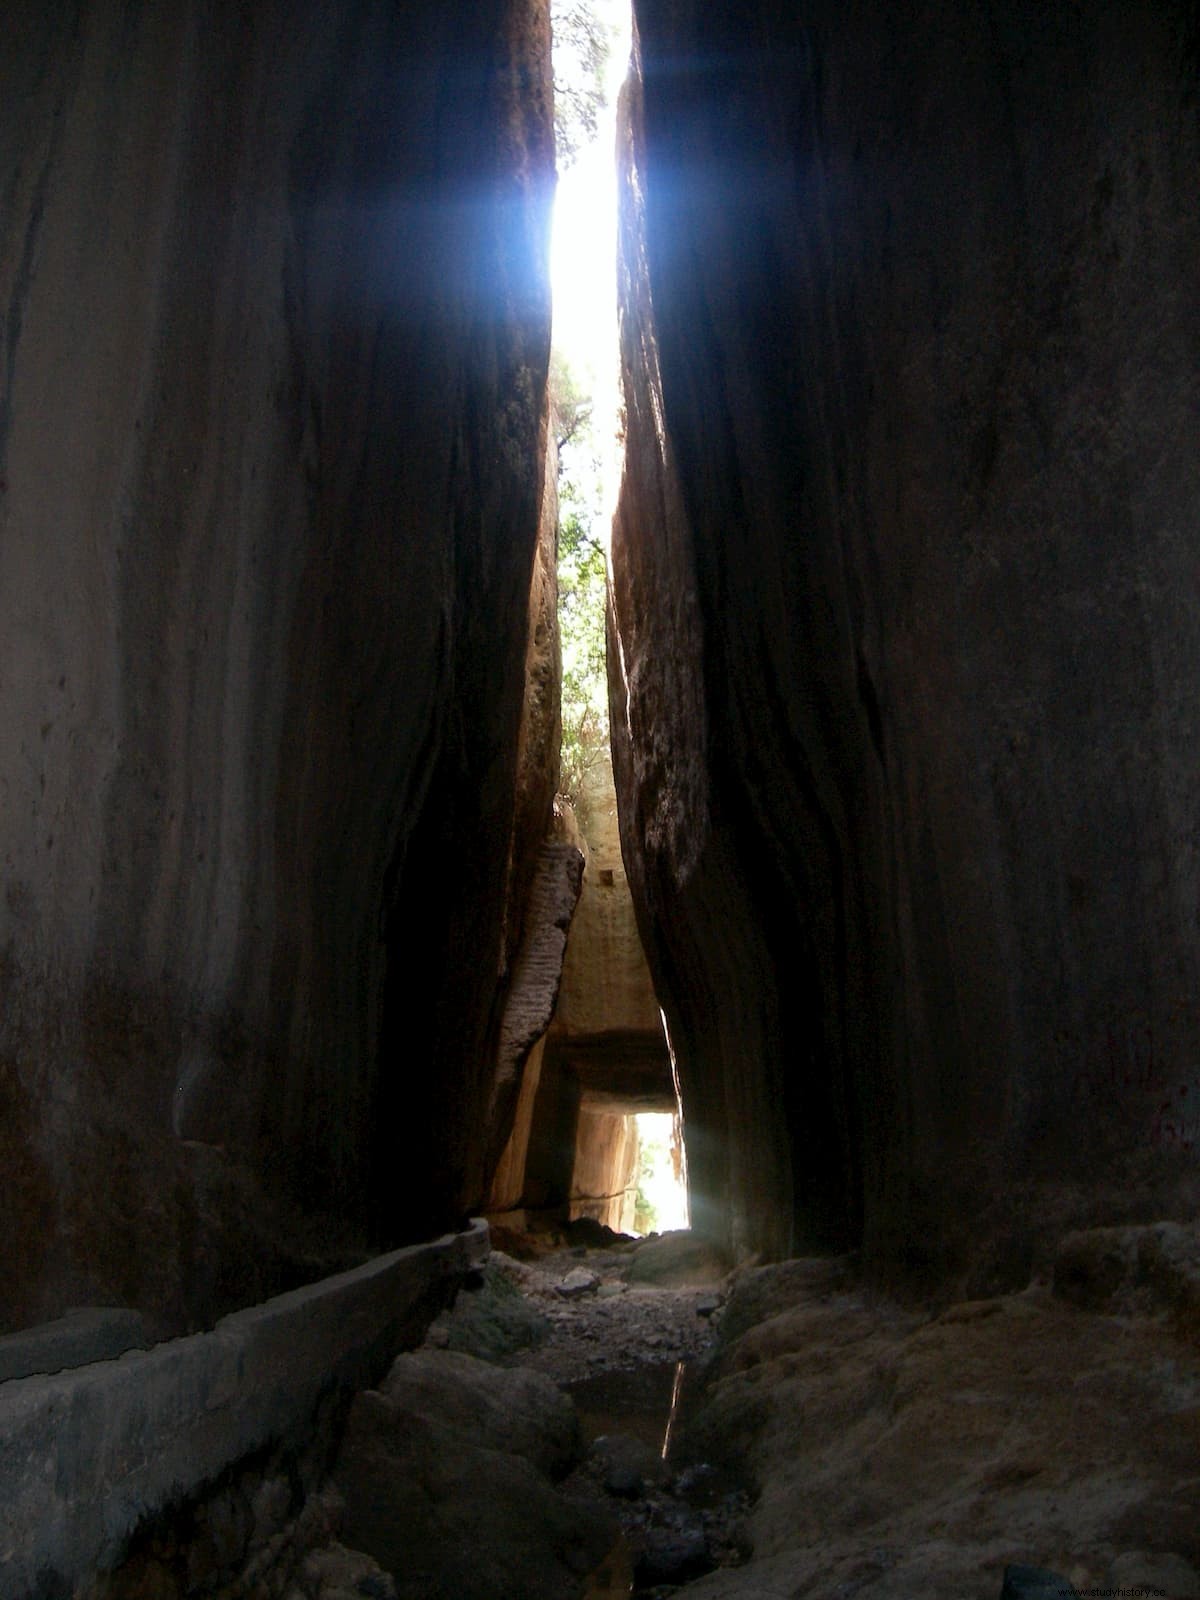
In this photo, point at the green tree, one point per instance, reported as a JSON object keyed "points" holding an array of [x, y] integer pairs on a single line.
{"points": [[653, 1155], [570, 407], [582, 590], [582, 582], [581, 43]]}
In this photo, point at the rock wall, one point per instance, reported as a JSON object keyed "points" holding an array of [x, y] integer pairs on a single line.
{"points": [[602, 1056], [604, 1175], [272, 370], [606, 985], [532, 994], [508, 1179], [903, 633]]}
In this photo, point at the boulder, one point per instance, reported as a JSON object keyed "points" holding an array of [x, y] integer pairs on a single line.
{"points": [[1096, 1267], [496, 1408], [672, 1555], [760, 1292], [596, 1235], [1156, 1267], [1153, 1571], [577, 1282], [626, 1464], [679, 1260], [1169, 1269], [453, 1520], [336, 1573]]}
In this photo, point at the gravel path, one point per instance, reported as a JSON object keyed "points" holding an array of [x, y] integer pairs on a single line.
{"points": [[607, 1326], [622, 1351]]}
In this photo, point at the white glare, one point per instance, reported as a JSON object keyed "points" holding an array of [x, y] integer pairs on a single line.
{"points": [[583, 263], [661, 1174]]}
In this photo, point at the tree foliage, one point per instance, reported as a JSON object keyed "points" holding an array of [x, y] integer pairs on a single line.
{"points": [[570, 407], [581, 48], [582, 587]]}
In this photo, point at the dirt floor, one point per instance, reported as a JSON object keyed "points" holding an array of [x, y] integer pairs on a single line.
{"points": [[631, 1419], [629, 1354], [828, 1443]]}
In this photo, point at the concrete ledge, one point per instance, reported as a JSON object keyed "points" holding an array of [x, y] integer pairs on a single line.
{"points": [[87, 1455], [93, 1333]]}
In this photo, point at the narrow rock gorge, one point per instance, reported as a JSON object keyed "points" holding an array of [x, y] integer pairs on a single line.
{"points": [[303, 967], [601, 1059]]}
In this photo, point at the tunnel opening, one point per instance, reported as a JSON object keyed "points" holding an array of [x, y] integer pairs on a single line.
{"points": [[662, 1198], [630, 1171]]}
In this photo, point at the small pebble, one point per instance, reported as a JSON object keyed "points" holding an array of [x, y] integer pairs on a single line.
{"points": [[578, 1281]]}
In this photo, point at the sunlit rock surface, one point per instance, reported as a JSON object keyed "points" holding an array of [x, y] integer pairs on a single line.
{"points": [[272, 364], [606, 989], [905, 637], [605, 1168]]}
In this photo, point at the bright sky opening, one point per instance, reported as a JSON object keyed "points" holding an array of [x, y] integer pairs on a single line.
{"points": [[583, 263], [662, 1183]]}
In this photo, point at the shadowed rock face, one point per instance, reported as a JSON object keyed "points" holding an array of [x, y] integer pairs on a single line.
{"points": [[272, 364], [904, 642], [603, 1059]]}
